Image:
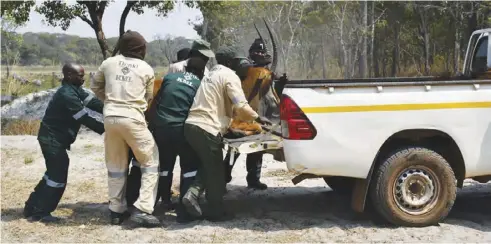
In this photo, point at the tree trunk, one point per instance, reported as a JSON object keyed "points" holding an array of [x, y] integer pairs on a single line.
{"points": [[456, 50], [122, 23], [395, 51], [372, 37], [101, 39], [376, 59], [324, 75], [363, 56], [472, 22]]}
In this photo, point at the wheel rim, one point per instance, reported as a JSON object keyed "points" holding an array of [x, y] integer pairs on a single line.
{"points": [[416, 190]]}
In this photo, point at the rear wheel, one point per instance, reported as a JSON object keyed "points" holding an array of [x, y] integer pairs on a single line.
{"points": [[342, 185], [414, 187]]}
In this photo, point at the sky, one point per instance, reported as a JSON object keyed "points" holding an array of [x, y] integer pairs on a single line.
{"points": [[148, 24]]}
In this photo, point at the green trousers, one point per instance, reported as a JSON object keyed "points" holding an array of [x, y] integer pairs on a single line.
{"points": [[210, 170]]}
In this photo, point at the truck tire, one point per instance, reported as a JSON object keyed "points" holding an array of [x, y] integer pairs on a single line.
{"points": [[342, 185], [414, 187]]}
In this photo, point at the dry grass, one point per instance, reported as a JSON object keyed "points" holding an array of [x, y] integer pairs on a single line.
{"points": [[28, 160], [20, 127]]}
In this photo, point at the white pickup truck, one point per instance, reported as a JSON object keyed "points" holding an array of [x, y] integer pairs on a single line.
{"points": [[402, 144]]}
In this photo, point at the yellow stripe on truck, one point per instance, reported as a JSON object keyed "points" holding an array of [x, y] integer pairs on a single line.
{"points": [[395, 107]]}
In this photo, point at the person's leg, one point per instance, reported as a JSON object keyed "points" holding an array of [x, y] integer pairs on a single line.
{"points": [[167, 156], [209, 150], [228, 167], [254, 163], [117, 168], [189, 162], [134, 180], [143, 145], [50, 189]]}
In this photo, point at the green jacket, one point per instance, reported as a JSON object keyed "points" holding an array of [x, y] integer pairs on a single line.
{"points": [[174, 99], [66, 112]]}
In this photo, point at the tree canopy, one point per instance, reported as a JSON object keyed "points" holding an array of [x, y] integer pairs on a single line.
{"points": [[328, 39]]}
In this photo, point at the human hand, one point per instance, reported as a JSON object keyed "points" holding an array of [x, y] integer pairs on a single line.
{"points": [[263, 120]]}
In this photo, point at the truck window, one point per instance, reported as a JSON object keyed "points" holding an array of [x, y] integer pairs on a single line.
{"points": [[479, 61]]}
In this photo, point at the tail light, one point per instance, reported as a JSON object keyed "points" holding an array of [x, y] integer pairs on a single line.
{"points": [[294, 123]]}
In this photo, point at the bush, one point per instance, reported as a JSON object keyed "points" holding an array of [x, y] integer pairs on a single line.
{"points": [[20, 127]]}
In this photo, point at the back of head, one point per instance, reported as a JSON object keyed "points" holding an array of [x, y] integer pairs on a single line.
{"points": [[229, 56], [183, 54], [196, 66], [133, 45]]}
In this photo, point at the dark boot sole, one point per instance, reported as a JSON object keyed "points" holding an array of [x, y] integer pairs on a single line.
{"points": [[144, 223], [192, 207]]}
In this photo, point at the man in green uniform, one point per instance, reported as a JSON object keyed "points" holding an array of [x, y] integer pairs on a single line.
{"points": [[59, 128], [219, 98], [172, 104]]}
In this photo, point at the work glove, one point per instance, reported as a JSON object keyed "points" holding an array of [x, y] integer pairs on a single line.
{"points": [[263, 120]]}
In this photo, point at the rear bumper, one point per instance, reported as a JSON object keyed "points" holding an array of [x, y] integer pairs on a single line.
{"points": [[303, 157]]}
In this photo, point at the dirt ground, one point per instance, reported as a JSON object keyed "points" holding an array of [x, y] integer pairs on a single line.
{"points": [[308, 212]]}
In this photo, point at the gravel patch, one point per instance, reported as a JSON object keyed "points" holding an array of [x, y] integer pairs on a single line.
{"points": [[308, 212]]}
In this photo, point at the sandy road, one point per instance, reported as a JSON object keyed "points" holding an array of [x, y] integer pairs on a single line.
{"points": [[308, 212]]}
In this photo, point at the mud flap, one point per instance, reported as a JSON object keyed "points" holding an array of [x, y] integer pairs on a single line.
{"points": [[360, 192], [359, 195], [301, 177]]}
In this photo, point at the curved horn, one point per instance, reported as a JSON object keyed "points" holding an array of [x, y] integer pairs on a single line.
{"points": [[259, 33], [275, 53]]}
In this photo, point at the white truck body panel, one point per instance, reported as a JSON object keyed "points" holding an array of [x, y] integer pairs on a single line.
{"points": [[353, 123]]}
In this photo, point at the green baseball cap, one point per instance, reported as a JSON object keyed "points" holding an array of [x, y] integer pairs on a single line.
{"points": [[230, 52], [203, 47]]}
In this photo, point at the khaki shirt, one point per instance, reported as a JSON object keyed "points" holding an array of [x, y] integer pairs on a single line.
{"points": [[125, 85], [180, 67], [218, 99]]}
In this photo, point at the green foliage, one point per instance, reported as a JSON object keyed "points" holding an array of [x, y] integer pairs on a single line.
{"points": [[58, 13], [52, 49], [18, 10]]}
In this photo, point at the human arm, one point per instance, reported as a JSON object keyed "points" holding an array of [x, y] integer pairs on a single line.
{"points": [[98, 83], [241, 107], [75, 107], [90, 101], [150, 79], [152, 109]]}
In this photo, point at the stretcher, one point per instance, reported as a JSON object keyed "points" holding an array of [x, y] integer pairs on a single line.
{"points": [[269, 141]]}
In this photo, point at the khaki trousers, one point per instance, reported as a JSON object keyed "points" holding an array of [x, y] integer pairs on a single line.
{"points": [[122, 133]]}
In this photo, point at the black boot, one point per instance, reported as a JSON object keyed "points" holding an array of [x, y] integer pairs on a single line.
{"points": [[144, 219], [44, 218], [190, 200], [165, 192], [119, 218], [254, 163]]}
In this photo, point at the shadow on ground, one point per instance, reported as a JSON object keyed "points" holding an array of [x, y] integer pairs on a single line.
{"points": [[281, 208]]}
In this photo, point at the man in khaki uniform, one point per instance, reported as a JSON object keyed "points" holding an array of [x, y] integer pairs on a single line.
{"points": [[200, 49], [125, 83], [218, 98]]}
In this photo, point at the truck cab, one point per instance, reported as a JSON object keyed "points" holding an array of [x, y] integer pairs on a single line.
{"points": [[479, 51], [403, 144]]}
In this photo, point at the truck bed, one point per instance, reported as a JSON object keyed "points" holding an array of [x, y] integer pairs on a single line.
{"points": [[390, 81]]}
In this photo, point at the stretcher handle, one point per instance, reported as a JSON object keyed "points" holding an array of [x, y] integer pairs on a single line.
{"points": [[272, 130]]}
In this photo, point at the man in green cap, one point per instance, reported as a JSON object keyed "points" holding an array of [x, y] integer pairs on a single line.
{"points": [[208, 119], [200, 49]]}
